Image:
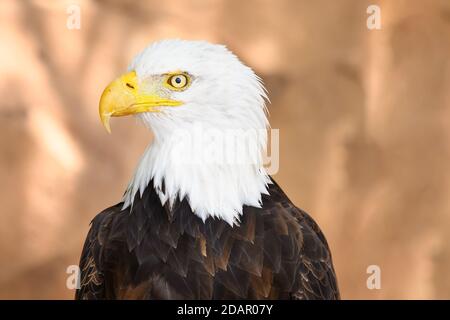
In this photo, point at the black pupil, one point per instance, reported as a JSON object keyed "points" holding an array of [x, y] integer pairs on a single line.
{"points": [[178, 80]]}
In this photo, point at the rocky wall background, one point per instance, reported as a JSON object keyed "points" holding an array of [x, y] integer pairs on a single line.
{"points": [[363, 115]]}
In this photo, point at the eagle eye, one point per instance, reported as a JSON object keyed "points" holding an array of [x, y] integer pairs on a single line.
{"points": [[178, 81]]}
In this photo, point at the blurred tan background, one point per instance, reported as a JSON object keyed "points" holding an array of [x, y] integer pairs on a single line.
{"points": [[363, 115]]}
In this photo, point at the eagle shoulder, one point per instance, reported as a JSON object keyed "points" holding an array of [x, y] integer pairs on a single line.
{"points": [[315, 274], [97, 256]]}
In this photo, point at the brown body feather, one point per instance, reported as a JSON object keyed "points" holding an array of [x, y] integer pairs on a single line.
{"points": [[153, 252]]}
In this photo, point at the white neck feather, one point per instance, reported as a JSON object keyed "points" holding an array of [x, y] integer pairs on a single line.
{"points": [[213, 187]]}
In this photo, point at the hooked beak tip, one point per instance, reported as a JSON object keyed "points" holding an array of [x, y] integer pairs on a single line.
{"points": [[105, 121]]}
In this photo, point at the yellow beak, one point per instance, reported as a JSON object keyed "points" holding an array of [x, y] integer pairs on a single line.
{"points": [[122, 97]]}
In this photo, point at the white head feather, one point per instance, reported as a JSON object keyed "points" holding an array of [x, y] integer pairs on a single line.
{"points": [[224, 98]]}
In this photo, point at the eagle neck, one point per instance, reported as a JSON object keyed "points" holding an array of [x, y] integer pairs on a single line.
{"points": [[179, 168]]}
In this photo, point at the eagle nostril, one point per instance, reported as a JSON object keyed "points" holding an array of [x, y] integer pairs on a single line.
{"points": [[129, 85]]}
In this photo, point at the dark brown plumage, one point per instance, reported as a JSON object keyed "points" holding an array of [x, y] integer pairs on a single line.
{"points": [[152, 252]]}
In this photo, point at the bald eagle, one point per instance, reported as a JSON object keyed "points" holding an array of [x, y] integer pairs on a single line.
{"points": [[187, 228]]}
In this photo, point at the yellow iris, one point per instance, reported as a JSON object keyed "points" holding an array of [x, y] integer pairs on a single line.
{"points": [[177, 81]]}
